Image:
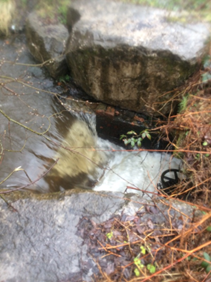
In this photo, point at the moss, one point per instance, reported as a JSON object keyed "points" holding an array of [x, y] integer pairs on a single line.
{"points": [[18, 195], [53, 11]]}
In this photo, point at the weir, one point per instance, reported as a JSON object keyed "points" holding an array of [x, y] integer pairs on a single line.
{"points": [[88, 161], [85, 160]]}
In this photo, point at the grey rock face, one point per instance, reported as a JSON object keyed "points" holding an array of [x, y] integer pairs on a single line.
{"points": [[39, 241], [46, 44], [131, 56]]}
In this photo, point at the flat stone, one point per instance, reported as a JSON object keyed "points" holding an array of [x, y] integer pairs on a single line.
{"points": [[47, 44], [131, 56], [39, 240]]}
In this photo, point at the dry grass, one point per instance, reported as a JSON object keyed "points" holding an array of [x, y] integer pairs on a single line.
{"points": [[176, 251], [124, 246], [7, 9]]}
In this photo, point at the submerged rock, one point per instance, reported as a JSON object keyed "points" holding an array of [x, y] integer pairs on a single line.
{"points": [[131, 56], [47, 43]]}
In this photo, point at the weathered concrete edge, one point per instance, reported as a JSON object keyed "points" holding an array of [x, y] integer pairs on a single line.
{"points": [[129, 199]]}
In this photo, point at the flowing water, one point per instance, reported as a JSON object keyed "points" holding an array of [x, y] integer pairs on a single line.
{"points": [[46, 148]]}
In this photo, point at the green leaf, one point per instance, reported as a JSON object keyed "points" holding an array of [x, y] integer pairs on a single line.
{"points": [[208, 269], [137, 272], [139, 142], [148, 136], [132, 143], [189, 258], [122, 136], [125, 141], [207, 155], [204, 264], [143, 135], [209, 228], [109, 235], [206, 77], [143, 250], [138, 263], [206, 61], [151, 268], [205, 143], [206, 256], [132, 132]]}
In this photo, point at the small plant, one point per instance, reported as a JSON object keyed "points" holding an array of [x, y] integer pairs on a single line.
{"points": [[63, 14], [109, 235], [143, 250], [209, 229], [207, 66], [183, 103], [53, 9], [65, 78], [135, 139], [206, 265], [139, 265], [151, 268]]}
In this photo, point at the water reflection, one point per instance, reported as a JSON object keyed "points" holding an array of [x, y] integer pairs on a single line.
{"points": [[26, 98]]}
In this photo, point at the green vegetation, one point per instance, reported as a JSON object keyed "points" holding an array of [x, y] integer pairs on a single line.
{"points": [[183, 104], [50, 11], [135, 139], [200, 9], [109, 235], [141, 267], [206, 265], [53, 10], [64, 79], [206, 64], [175, 5]]}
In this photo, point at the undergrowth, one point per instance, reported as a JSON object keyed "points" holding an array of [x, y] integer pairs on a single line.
{"points": [[140, 250], [53, 11]]}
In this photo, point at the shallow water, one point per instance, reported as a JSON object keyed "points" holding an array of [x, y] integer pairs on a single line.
{"points": [[83, 160]]}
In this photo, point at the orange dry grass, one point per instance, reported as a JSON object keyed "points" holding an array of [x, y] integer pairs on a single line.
{"points": [[194, 128]]}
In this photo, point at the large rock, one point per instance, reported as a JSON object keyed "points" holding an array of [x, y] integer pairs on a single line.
{"points": [[131, 56], [39, 238], [47, 43]]}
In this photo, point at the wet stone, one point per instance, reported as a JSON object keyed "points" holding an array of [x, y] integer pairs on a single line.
{"points": [[43, 234], [46, 44], [50, 237], [122, 57]]}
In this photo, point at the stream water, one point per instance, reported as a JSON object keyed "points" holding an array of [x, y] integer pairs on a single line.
{"points": [[60, 139]]}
